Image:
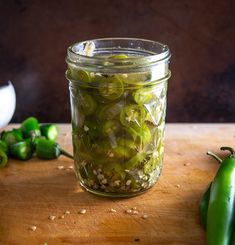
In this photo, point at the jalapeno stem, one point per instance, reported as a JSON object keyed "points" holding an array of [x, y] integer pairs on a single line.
{"points": [[209, 153], [226, 148], [65, 153]]}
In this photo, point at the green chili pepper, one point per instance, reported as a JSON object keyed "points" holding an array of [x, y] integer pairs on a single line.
{"points": [[48, 149], [21, 150], [50, 131], [233, 237], [4, 146], [111, 127], [92, 128], [115, 169], [127, 143], [203, 206], [34, 141], [151, 164], [110, 111], [111, 88], [221, 209], [30, 128], [88, 104], [3, 159], [204, 202], [141, 134], [134, 161], [79, 75], [132, 114], [13, 136], [142, 96], [119, 56]]}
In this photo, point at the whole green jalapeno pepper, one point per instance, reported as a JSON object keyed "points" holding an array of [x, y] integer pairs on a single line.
{"points": [[48, 149], [204, 202], [221, 209], [203, 206]]}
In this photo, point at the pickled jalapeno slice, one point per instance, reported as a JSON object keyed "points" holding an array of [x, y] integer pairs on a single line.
{"points": [[135, 160], [111, 127], [142, 96], [79, 75], [92, 127], [152, 162], [136, 79], [124, 141], [119, 56], [122, 152], [114, 170], [111, 88], [88, 104], [132, 114], [109, 111], [141, 134]]}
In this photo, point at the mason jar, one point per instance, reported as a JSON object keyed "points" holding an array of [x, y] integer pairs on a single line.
{"points": [[118, 92]]}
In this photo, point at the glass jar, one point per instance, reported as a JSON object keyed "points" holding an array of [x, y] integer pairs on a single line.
{"points": [[118, 101]]}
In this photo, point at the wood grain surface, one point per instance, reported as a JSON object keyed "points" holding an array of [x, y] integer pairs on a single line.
{"points": [[32, 191]]}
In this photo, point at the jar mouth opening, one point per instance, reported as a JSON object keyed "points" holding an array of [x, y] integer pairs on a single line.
{"points": [[100, 52]]}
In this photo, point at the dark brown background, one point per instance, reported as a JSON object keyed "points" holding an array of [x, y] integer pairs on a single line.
{"points": [[200, 34]]}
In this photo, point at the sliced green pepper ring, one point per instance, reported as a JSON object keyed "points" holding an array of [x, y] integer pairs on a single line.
{"points": [[88, 104], [126, 143], [122, 152], [110, 127], [111, 88], [134, 161], [132, 114], [84, 76], [79, 75], [119, 56], [136, 79], [21, 150], [143, 96], [152, 163], [92, 127], [115, 169], [3, 159], [110, 111], [141, 134]]}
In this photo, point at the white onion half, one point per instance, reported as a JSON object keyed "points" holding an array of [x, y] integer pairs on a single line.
{"points": [[7, 104]]}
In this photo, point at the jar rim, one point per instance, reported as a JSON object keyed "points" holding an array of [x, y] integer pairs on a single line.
{"points": [[152, 52]]}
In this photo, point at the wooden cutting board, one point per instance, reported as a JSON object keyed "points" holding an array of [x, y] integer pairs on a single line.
{"points": [[32, 191]]}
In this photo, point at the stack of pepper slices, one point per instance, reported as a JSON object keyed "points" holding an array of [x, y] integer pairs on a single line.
{"points": [[217, 206], [21, 143]]}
